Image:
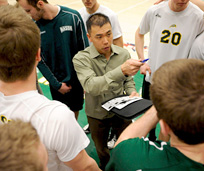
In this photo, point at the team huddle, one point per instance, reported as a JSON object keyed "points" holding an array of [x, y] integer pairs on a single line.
{"points": [[81, 55]]}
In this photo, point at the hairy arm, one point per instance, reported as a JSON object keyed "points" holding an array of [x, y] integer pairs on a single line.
{"points": [[141, 127], [47, 73], [82, 162]]}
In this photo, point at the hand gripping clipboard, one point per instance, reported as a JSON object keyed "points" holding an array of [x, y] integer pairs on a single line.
{"points": [[127, 108]]}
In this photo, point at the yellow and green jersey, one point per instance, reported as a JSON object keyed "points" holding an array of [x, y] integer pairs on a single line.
{"points": [[171, 33]]}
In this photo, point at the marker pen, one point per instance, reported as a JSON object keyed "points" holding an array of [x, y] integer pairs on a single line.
{"points": [[145, 60]]}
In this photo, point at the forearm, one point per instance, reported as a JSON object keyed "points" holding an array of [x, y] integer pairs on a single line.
{"points": [[82, 162], [139, 44], [110, 81], [118, 41], [47, 73], [141, 127], [129, 86], [91, 165]]}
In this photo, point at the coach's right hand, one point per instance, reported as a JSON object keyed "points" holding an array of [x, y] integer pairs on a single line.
{"points": [[131, 67]]}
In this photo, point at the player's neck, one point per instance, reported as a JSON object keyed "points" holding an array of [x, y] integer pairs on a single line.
{"points": [[177, 8], [194, 152], [50, 11], [19, 86], [94, 9]]}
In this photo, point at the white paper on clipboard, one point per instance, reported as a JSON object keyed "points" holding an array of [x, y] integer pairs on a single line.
{"points": [[119, 102]]}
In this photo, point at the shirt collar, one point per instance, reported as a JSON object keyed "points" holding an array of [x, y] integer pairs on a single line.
{"points": [[94, 53], [24, 95]]}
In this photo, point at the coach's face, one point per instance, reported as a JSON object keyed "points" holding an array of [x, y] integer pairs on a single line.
{"points": [[102, 38], [35, 13]]}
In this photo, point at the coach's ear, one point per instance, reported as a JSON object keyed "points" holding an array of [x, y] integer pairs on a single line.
{"points": [[38, 57], [89, 37]]}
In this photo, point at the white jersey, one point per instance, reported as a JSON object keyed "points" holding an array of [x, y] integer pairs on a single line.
{"points": [[171, 33], [54, 122], [197, 49], [116, 29]]}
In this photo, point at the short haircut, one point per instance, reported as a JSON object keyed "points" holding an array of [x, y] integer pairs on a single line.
{"points": [[19, 143], [19, 44], [97, 19], [177, 91], [34, 2]]}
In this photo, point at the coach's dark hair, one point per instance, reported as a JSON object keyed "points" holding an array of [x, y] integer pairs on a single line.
{"points": [[96, 19]]}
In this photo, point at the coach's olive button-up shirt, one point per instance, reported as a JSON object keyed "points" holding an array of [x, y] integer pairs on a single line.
{"points": [[102, 79]]}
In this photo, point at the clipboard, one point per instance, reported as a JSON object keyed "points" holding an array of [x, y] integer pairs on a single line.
{"points": [[131, 110]]}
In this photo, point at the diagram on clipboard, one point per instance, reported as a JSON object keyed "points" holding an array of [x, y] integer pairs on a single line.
{"points": [[126, 107]]}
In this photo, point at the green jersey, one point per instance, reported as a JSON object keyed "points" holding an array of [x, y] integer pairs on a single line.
{"points": [[61, 38], [144, 155]]}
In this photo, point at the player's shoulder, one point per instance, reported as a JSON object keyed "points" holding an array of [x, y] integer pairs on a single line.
{"points": [[62, 113], [194, 7], [52, 106], [158, 7], [55, 111], [195, 10], [198, 44], [68, 10], [107, 11], [82, 10]]}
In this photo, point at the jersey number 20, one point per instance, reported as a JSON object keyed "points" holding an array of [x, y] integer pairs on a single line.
{"points": [[175, 37]]}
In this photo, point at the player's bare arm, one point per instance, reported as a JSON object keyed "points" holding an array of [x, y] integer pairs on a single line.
{"points": [[82, 162], [118, 41], [139, 44]]}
